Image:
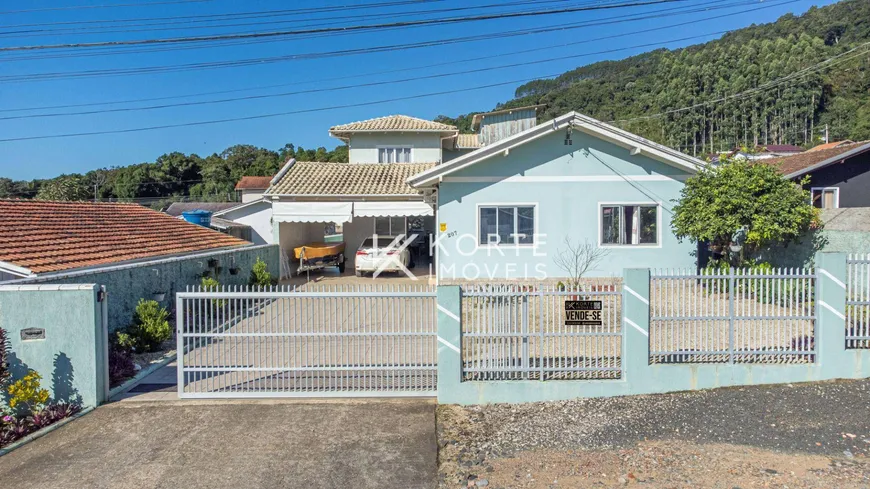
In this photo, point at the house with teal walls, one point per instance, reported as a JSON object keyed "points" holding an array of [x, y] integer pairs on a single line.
{"points": [[508, 209]]}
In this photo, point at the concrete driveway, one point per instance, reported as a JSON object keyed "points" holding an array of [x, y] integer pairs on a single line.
{"points": [[329, 444]]}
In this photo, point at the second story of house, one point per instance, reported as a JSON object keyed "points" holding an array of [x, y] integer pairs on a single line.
{"points": [[405, 139], [395, 139]]}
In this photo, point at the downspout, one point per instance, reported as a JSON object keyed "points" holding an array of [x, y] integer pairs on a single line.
{"points": [[104, 330], [441, 145]]}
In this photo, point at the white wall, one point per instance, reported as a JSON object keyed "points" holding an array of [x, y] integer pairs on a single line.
{"points": [[259, 217], [426, 146], [252, 195]]}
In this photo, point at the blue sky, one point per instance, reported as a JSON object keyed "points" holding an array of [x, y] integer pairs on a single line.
{"points": [[44, 158]]}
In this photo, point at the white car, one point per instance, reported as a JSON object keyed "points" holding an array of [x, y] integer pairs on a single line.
{"points": [[370, 257]]}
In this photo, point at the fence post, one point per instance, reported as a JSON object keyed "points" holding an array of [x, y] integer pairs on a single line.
{"points": [[635, 318], [179, 343], [449, 299], [830, 314]]}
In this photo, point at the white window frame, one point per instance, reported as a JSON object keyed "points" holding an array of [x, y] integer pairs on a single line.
{"points": [[534, 243], [390, 218], [657, 244], [395, 146], [823, 190]]}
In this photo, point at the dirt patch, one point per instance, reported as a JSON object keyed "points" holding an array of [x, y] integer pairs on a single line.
{"points": [[793, 435], [674, 464]]}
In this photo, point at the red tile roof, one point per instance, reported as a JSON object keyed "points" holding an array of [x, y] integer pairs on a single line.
{"points": [[46, 236], [834, 144], [795, 163], [253, 183]]}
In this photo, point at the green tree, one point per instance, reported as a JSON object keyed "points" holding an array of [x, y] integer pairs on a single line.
{"points": [[742, 195], [65, 187]]}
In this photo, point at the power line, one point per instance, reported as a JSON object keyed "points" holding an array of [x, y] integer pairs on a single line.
{"points": [[92, 7], [357, 28], [275, 114], [236, 15], [124, 50], [363, 85], [823, 64], [398, 70], [378, 49], [162, 25]]}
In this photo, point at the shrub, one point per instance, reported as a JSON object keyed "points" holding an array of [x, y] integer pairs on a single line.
{"points": [[12, 429], [150, 326], [121, 365], [4, 358], [28, 392], [260, 275], [211, 285]]}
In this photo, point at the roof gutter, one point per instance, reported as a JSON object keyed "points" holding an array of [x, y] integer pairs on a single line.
{"points": [[78, 272], [16, 270]]}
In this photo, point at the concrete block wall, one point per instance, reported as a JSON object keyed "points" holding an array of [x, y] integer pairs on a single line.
{"points": [[833, 360], [72, 357], [126, 284]]}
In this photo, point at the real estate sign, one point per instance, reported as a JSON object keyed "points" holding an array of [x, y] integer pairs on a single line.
{"points": [[583, 313]]}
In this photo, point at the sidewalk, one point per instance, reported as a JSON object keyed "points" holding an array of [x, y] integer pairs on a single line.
{"points": [[160, 385]]}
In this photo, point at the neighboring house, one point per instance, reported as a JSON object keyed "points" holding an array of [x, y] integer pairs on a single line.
{"points": [[134, 252], [839, 176], [760, 153], [832, 145], [490, 127], [506, 209], [241, 230], [252, 188], [54, 237], [255, 216]]}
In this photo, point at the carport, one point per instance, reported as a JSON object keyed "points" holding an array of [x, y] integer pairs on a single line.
{"points": [[315, 202]]}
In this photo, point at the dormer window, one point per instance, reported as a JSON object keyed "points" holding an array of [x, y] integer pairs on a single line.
{"points": [[394, 154]]}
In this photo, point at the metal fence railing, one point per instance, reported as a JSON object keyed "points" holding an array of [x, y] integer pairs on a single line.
{"points": [[313, 341], [734, 316], [858, 301], [519, 332]]}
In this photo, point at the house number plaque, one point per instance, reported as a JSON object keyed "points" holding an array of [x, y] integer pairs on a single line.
{"points": [[583, 313], [32, 334]]}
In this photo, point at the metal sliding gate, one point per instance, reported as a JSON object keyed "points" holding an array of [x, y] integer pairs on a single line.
{"points": [[287, 342]]}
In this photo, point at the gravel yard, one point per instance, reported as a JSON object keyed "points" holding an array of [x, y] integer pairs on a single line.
{"points": [[800, 435]]}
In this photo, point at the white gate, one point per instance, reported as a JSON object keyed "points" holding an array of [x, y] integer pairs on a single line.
{"points": [[284, 342]]}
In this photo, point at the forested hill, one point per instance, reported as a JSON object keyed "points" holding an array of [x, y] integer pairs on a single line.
{"points": [[793, 112]]}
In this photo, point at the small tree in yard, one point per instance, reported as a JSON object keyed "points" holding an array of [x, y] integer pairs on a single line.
{"points": [[578, 258], [743, 195]]}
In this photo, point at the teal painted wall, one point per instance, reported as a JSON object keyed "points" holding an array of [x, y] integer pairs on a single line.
{"points": [[71, 358], [565, 208], [832, 241], [127, 284], [833, 360]]}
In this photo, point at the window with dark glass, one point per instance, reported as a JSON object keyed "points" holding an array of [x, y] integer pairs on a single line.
{"points": [[629, 224], [506, 225]]}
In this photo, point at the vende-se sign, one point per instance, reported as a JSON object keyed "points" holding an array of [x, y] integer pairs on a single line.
{"points": [[583, 313]]}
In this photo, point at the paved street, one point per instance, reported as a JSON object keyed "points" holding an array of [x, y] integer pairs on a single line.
{"points": [[311, 445]]}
